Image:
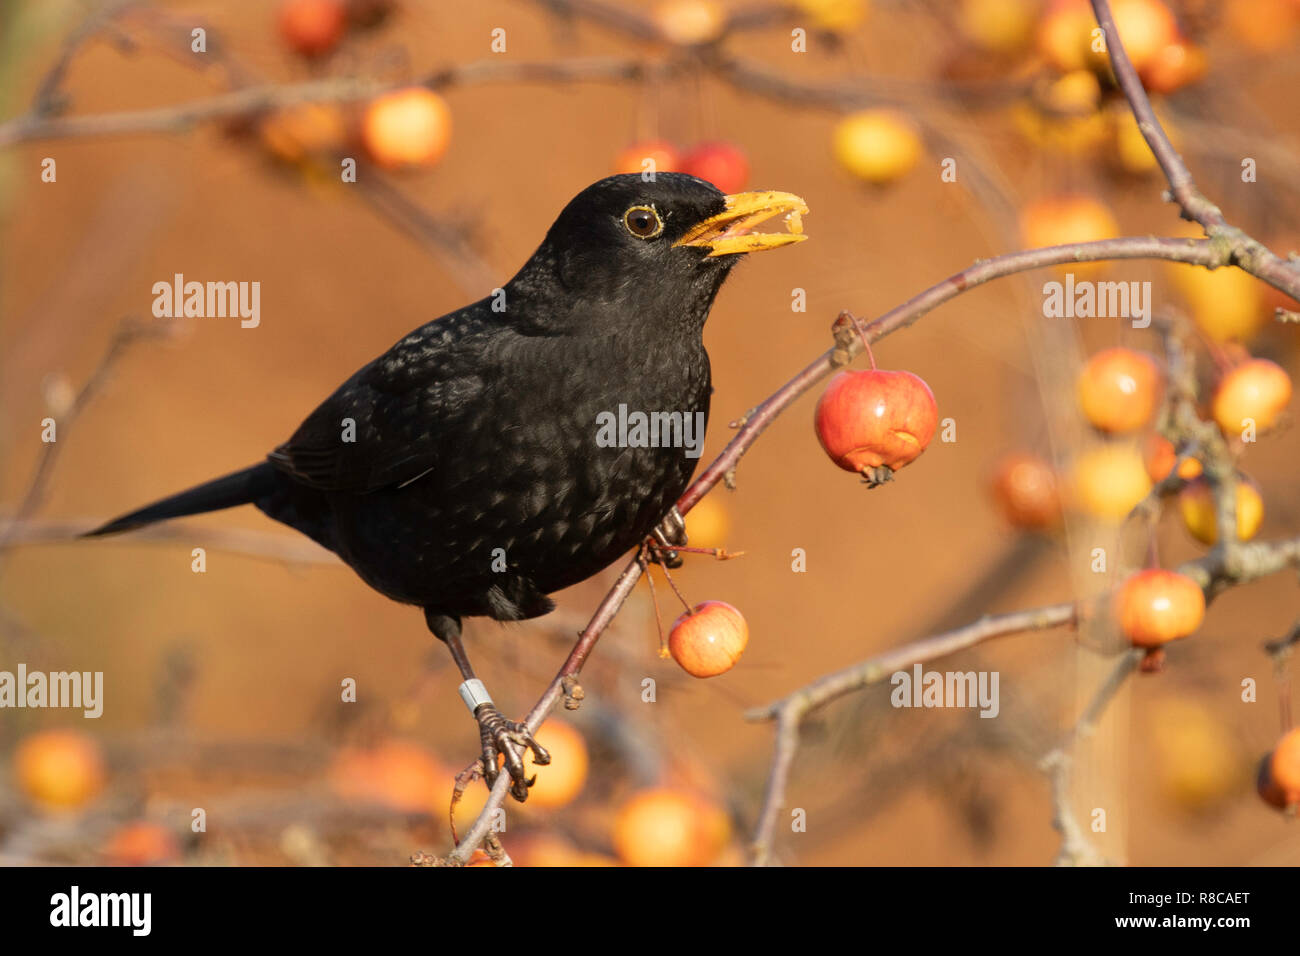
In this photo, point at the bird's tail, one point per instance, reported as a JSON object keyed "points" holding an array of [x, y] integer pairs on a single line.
{"points": [[240, 488]]}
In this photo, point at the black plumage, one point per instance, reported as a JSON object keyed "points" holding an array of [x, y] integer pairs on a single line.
{"points": [[459, 471]]}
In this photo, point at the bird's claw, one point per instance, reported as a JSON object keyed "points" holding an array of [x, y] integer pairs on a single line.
{"points": [[669, 533], [510, 740]]}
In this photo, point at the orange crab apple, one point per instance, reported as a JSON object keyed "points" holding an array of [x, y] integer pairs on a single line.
{"points": [[1146, 28], [59, 769], [1178, 64], [1025, 489], [1284, 766], [689, 22], [708, 639], [708, 522], [1109, 480], [875, 421], [559, 783], [1156, 606], [409, 127], [300, 132], [1159, 456], [669, 827], [649, 156], [1227, 303], [1119, 389], [1063, 33], [1267, 788], [1257, 390]]}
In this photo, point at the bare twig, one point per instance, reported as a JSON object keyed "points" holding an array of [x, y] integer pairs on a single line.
{"points": [[128, 333], [1246, 252], [790, 711], [253, 100], [1076, 849]]}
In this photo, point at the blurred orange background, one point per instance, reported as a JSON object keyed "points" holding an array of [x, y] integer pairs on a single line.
{"points": [[222, 688]]}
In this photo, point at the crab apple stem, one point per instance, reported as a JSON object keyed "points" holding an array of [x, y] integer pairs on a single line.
{"points": [[659, 624], [862, 334]]}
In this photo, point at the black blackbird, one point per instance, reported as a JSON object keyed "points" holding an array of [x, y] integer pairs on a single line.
{"points": [[461, 470]]}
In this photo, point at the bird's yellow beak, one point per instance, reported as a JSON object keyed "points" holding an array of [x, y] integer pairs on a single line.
{"points": [[728, 233]]}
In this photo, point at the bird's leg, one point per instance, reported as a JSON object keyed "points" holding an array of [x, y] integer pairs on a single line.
{"points": [[668, 533], [497, 735]]}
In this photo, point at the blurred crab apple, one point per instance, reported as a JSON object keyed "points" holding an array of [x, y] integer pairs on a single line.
{"points": [[1227, 304], [670, 827], [689, 22], [649, 156], [59, 769], [300, 132], [1196, 505], [1284, 766], [311, 27], [1119, 390], [1156, 606], [878, 146], [1258, 390], [1159, 455], [722, 164], [1025, 489], [558, 783], [409, 127], [141, 843], [1109, 480], [1175, 66], [1000, 26], [707, 523]]}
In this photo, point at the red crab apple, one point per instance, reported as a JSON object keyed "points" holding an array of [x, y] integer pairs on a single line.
{"points": [[722, 164], [709, 639], [312, 27], [874, 422]]}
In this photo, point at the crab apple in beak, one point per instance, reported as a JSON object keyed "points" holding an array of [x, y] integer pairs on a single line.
{"points": [[874, 422]]}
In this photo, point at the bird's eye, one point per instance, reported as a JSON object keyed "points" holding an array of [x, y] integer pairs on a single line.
{"points": [[643, 222]]}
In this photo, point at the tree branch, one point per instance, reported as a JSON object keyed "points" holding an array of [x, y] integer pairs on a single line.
{"points": [[1246, 252]]}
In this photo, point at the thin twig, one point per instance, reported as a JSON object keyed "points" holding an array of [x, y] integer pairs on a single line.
{"points": [[790, 711]]}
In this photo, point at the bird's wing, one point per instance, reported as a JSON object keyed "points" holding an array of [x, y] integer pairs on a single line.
{"points": [[386, 426]]}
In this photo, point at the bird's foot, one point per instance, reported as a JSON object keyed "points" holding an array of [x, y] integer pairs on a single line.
{"points": [[511, 741], [668, 535]]}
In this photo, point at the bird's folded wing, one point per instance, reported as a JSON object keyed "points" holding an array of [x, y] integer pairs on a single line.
{"points": [[385, 427]]}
